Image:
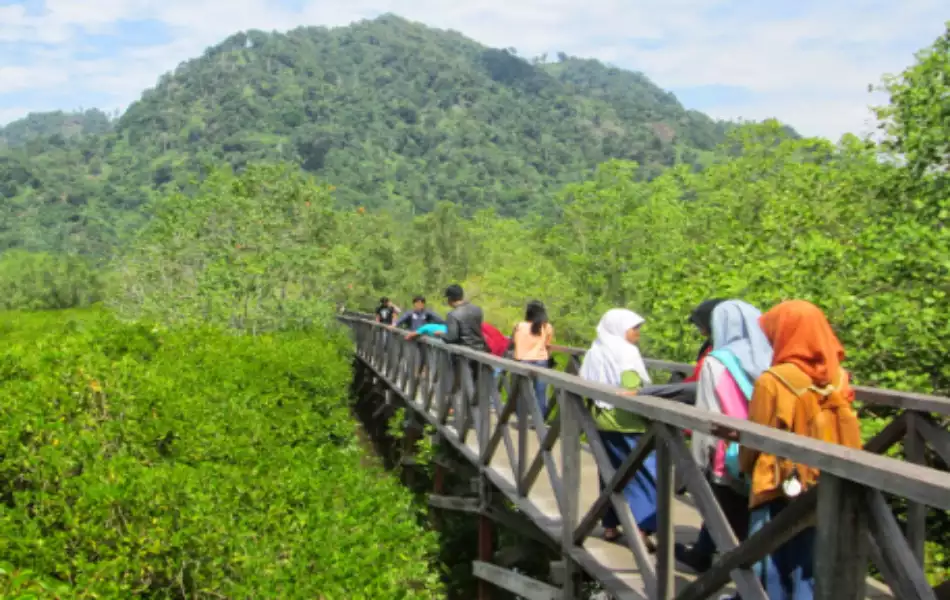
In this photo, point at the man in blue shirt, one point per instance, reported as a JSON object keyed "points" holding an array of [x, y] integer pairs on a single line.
{"points": [[419, 316]]}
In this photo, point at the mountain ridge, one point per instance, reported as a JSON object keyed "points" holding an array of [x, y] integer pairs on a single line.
{"points": [[396, 115]]}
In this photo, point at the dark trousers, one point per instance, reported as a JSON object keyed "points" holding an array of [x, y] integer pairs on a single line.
{"points": [[736, 508]]}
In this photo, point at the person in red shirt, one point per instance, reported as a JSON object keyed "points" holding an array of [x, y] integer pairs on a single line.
{"points": [[496, 340], [701, 317]]}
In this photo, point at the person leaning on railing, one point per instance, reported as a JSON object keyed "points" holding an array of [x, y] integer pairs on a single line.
{"points": [[532, 339], [739, 354], [419, 316], [806, 392], [464, 321], [614, 359], [701, 318]]}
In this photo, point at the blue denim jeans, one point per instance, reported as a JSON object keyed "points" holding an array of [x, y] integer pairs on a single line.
{"points": [[540, 388]]}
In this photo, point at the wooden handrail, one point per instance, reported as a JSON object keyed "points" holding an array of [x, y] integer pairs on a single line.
{"points": [[872, 396], [433, 378]]}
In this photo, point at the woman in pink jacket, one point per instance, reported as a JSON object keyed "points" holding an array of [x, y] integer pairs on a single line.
{"points": [[740, 353]]}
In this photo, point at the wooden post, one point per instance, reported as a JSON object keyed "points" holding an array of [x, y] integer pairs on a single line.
{"points": [[518, 394], [485, 385], [665, 489], [571, 482], [841, 542], [411, 430], [438, 489], [485, 541], [916, 512]]}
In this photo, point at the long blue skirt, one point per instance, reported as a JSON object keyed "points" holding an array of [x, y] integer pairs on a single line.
{"points": [[640, 491], [787, 573]]}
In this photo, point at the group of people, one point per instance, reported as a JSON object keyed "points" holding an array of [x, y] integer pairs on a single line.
{"points": [[465, 325], [780, 369]]}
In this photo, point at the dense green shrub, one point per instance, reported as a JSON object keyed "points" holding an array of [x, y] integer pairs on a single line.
{"points": [[40, 281], [193, 464], [259, 251]]}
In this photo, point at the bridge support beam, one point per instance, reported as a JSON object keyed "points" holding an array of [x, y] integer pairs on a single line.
{"points": [[525, 587], [570, 481], [841, 541], [438, 488], [486, 542]]}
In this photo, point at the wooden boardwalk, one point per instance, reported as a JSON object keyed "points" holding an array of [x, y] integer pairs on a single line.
{"points": [[613, 562], [498, 429]]}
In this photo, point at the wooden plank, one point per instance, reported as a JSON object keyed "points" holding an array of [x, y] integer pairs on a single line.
{"points": [[914, 451], [925, 403], [457, 503], [665, 482], [500, 433], [486, 383], [892, 433], [911, 581], [485, 538], [548, 437], [889, 573], [621, 476], [571, 469], [937, 438], [516, 583], [418, 361], [841, 540], [914, 482], [519, 395], [622, 580], [557, 571], [632, 535], [443, 399], [716, 521], [522, 525], [797, 516]]}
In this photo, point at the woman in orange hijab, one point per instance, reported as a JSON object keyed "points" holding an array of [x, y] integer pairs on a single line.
{"points": [[804, 392]]}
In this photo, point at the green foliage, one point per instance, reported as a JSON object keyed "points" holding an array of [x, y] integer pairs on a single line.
{"points": [[41, 281], [397, 115], [918, 117], [54, 128], [468, 138], [786, 217], [24, 584], [257, 252], [192, 464]]}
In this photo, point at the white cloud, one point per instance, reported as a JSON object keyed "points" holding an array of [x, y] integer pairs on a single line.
{"points": [[811, 70], [13, 79]]}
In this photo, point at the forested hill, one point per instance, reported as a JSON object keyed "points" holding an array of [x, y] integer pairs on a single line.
{"points": [[393, 113], [54, 127]]}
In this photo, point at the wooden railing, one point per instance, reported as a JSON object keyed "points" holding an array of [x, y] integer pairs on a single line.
{"points": [[855, 524]]}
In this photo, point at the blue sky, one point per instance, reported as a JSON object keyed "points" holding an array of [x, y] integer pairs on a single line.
{"points": [[807, 62]]}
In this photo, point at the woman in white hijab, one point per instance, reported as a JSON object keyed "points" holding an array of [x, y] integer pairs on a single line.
{"points": [[614, 359]]}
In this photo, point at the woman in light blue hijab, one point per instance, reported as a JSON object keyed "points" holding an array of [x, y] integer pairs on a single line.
{"points": [[741, 353], [736, 332]]}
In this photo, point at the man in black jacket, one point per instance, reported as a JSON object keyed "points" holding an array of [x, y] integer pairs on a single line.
{"points": [[464, 321], [419, 316]]}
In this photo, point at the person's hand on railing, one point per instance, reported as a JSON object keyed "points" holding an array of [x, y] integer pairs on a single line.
{"points": [[629, 392], [726, 433], [412, 335]]}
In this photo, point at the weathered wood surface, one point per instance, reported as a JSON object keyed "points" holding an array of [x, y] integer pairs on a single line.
{"points": [[494, 422]]}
